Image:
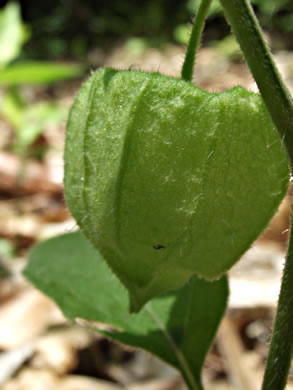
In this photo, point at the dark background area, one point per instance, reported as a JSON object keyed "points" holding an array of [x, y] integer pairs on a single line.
{"points": [[70, 28]]}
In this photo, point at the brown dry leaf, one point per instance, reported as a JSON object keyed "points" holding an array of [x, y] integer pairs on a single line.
{"points": [[45, 206], [159, 384], [25, 316], [49, 230], [25, 176], [12, 360], [284, 61], [75, 382], [54, 355], [144, 365], [58, 349], [30, 379], [5, 132], [278, 228], [255, 279], [168, 61], [220, 385], [17, 225], [233, 353], [26, 217]]}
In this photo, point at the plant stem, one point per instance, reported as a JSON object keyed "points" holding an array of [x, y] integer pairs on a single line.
{"points": [[280, 353], [194, 40], [280, 105]]}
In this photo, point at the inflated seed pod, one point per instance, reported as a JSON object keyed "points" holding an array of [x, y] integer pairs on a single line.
{"points": [[167, 180]]}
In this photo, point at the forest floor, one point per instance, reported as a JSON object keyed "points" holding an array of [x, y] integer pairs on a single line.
{"points": [[39, 348]]}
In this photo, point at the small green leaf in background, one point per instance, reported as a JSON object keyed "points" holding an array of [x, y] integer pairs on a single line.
{"points": [[182, 33], [228, 47], [36, 118], [178, 327], [29, 120], [7, 249], [13, 105], [34, 72], [215, 8], [12, 33], [136, 46]]}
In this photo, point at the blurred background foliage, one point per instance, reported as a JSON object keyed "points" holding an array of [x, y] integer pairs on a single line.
{"points": [[26, 118], [72, 28]]}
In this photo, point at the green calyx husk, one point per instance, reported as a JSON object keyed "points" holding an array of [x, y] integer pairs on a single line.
{"points": [[167, 180]]}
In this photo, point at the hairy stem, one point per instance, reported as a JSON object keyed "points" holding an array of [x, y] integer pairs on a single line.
{"points": [[280, 353], [280, 105], [194, 40]]}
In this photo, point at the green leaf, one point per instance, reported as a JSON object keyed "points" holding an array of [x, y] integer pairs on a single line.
{"points": [[215, 8], [178, 327], [29, 120], [13, 106], [12, 33], [168, 180], [182, 33], [36, 118], [34, 72], [228, 47]]}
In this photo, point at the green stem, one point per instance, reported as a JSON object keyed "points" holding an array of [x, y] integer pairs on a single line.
{"points": [[279, 359], [194, 40], [280, 105]]}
